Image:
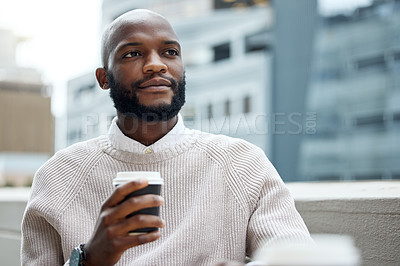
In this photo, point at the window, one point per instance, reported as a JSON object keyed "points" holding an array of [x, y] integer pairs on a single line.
{"points": [[371, 62], [227, 108], [221, 4], [222, 51], [396, 117], [396, 56], [373, 120], [369, 176], [209, 111], [84, 90], [257, 42], [247, 105]]}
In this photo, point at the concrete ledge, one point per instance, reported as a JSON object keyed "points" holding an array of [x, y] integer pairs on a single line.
{"points": [[312, 191], [367, 211], [12, 206]]}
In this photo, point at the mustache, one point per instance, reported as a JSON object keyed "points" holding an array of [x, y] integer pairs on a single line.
{"points": [[135, 85]]}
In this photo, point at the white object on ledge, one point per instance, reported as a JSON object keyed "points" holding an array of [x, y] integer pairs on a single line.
{"points": [[329, 250]]}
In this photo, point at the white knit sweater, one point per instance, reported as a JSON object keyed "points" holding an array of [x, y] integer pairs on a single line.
{"points": [[223, 199]]}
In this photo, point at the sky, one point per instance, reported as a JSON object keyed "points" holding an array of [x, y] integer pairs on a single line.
{"points": [[63, 37]]}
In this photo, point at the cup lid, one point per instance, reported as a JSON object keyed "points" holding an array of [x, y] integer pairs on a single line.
{"points": [[326, 250], [152, 177]]}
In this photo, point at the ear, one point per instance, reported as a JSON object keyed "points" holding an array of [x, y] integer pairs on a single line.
{"points": [[101, 76]]}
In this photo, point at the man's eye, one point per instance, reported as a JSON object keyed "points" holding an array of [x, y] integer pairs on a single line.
{"points": [[131, 54], [172, 52]]}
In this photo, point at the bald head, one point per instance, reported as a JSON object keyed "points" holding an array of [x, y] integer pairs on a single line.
{"points": [[128, 22]]}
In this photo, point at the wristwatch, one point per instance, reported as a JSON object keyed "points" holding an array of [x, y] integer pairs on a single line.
{"points": [[78, 256]]}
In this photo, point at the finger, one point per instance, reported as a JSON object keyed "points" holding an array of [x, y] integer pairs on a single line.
{"points": [[137, 203], [132, 241], [124, 190], [120, 244], [137, 222]]}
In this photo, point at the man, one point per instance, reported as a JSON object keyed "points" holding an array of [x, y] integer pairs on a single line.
{"points": [[221, 199]]}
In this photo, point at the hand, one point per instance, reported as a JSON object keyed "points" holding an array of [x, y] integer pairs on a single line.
{"points": [[110, 238]]}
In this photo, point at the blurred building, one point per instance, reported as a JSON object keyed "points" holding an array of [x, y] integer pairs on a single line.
{"points": [[227, 55], [26, 131], [89, 109], [324, 110], [175, 10], [294, 29], [228, 60], [355, 92]]}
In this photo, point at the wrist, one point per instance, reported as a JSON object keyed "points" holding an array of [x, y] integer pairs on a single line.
{"points": [[89, 259], [78, 256]]}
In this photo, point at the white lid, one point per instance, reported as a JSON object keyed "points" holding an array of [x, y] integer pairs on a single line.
{"points": [[338, 250], [152, 177]]}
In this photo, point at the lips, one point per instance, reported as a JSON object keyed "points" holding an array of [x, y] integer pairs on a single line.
{"points": [[155, 82]]}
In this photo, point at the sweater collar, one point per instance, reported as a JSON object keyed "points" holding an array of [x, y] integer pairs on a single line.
{"points": [[176, 136]]}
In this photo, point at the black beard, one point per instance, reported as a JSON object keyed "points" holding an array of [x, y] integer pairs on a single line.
{"points": [[128, 103]]}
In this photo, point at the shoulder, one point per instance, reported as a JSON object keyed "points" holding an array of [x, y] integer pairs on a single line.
{"points": [[61, 174], [221, 147], [248, 161], [74, 155], [243, 161], [67, 165], [247, 170]]}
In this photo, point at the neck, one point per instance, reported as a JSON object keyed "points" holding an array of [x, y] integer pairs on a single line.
{"points": [[142, 131]]}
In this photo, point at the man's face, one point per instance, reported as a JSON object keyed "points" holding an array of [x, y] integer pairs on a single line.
{"points": [[129, 105], [145, 71]]}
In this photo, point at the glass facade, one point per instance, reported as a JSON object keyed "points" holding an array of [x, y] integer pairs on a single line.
{"points": [[354, 89]]}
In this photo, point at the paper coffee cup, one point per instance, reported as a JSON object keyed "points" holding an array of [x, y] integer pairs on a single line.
{"points": [[155, 182]]}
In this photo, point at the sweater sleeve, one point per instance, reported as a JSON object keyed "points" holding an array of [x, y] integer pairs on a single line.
{"points": [[41, 241], [41, 244], [273, 216]]}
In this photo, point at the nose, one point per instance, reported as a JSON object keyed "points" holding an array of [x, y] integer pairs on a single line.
{"points": [[154, 64]]}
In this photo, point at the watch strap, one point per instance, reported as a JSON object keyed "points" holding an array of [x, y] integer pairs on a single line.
{"points": [[82, 259], [78, 256]]}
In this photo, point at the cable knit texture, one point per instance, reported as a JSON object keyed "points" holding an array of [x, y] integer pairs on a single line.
{"points": [[223, 200]]}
